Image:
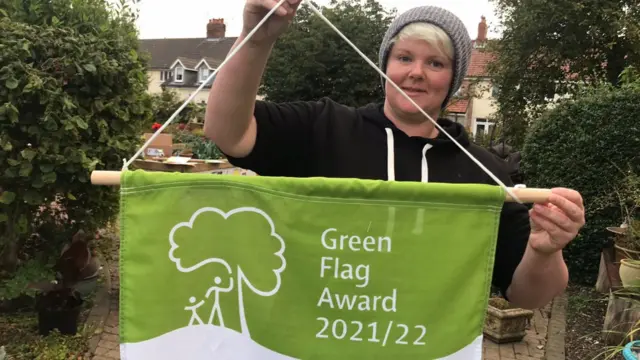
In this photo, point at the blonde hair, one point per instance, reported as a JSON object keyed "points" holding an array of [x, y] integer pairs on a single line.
{"points": [[429, 33]]}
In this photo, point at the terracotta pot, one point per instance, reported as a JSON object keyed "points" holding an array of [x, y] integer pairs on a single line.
{"points": [[506, 325], [624, 253], [630, 273], [621, 233]]}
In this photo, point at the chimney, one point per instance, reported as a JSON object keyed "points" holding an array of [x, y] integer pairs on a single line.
{"points": [[216, 28], [482, 30]]}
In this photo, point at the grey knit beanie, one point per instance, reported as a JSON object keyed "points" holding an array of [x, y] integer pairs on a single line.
{"points": [[451, 25]]}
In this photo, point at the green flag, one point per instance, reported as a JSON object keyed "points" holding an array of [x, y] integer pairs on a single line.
{"points": [[232, 267]]}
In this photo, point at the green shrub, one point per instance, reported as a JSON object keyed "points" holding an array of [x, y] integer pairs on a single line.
{"points": [[168, 101], [587, 145], [31, 271], [201, 147], [72, 99]]}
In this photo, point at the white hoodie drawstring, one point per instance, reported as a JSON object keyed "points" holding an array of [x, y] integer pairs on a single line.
{"points": [[425, 165], [391, 167]]}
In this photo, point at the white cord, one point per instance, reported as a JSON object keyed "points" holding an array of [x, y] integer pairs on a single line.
{"points": [[319, 14], [235, 51], [495, 178]]}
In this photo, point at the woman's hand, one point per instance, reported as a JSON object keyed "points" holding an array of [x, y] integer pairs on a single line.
{"points": [[556, 223], [256, 10]]}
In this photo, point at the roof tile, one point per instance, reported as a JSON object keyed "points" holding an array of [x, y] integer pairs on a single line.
{"points": [[479, 61]]}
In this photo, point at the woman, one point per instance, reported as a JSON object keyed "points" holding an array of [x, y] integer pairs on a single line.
{"points": [[426, 52]]}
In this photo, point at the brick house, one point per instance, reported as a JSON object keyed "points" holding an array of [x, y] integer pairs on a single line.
{"points": [[474, 103]]}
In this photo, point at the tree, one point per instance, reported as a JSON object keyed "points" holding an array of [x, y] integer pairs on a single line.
{"points": [[311, 61], [551, 47], [72, 99], [232, 233]]}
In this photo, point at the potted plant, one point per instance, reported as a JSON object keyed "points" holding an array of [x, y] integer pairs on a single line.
{"points": [[58, 302], [505, 323], [627, 240]]}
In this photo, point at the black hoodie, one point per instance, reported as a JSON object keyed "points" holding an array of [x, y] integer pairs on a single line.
{"points": [[327, 139]]}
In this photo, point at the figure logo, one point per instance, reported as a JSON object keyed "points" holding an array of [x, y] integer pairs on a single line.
{"points": [[253, 217]]}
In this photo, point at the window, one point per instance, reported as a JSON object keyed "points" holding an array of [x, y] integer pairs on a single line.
{"points": [[479, 44], [204, 74], [495, 91], [482, 127], [179, 74], [458, 118]]}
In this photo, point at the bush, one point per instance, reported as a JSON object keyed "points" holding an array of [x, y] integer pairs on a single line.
{"points": [[167, 102], [200, 146], [587, 145], [72, 99]]}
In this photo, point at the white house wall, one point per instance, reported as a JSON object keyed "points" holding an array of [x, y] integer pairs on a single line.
{"points": [[154, 82], [183, 93]]}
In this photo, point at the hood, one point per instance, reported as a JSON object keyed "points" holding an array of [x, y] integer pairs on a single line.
{"points": [[374, 113]]}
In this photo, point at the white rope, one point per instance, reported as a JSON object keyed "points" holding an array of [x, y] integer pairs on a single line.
{"points": [[495, 178], [175, 114], [319, 14]]}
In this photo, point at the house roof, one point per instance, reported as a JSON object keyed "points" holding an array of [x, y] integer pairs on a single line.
{"points": [[458, 106], [187, 62], [164, 52], [479, 61]]}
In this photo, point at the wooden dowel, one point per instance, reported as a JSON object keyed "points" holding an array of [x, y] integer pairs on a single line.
{"points": [[103, 177], [526, 195], [529, 195]]}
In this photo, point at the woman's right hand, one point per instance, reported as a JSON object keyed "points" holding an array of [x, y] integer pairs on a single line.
{"points": [[256, 10]]}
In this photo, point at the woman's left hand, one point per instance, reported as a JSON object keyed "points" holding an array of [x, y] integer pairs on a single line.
{"points": [[556, 223]]}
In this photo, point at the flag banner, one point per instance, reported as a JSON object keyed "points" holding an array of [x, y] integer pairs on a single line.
{"points": [[242, 267]]}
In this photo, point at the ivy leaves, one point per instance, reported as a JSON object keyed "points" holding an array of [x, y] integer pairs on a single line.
{"points": [[11, 83], [24, 166], [90, 68], [28, 154], [7, 197]]}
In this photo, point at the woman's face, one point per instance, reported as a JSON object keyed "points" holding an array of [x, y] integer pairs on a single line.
{"points": [[422, 72]]}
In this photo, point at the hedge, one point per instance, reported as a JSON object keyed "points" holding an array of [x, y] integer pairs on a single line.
{"points": [[72, 99], [587, 144]]}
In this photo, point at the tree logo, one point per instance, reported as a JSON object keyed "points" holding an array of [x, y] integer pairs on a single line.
{"points": [[248, 226]]}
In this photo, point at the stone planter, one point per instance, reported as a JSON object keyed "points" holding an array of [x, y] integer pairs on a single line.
{"points": [[505, 324], [630, 273]]}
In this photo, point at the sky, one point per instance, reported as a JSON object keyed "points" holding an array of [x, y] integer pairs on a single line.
{"points": [[188, 18]]}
